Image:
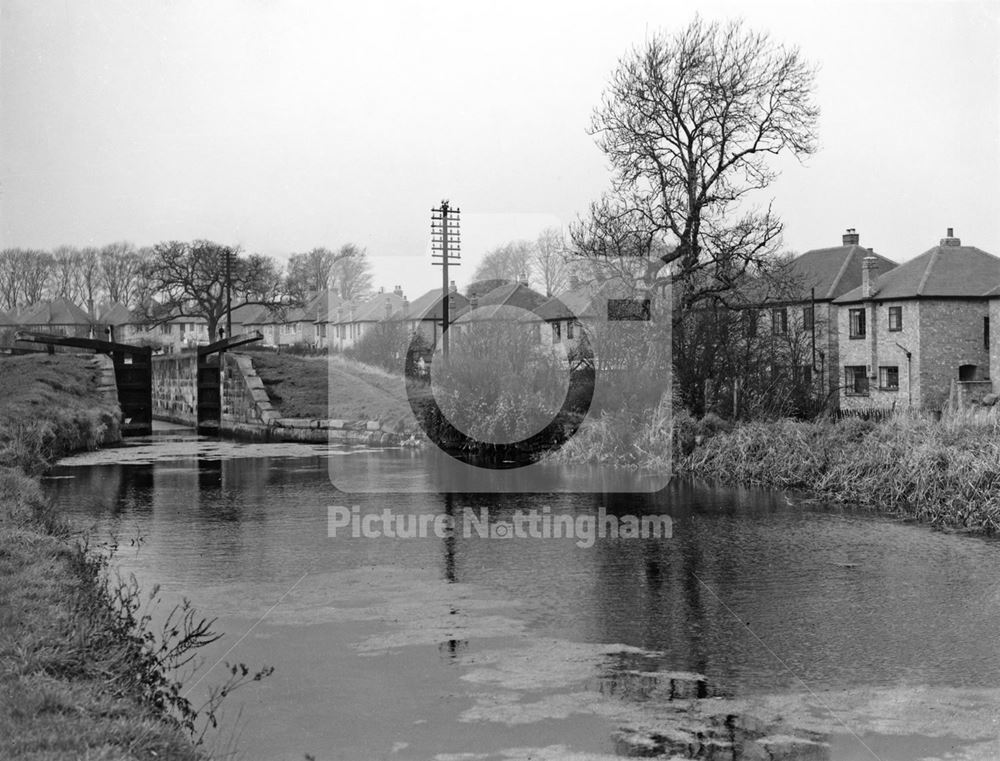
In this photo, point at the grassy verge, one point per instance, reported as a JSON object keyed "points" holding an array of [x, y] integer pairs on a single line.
{"points": [[946, 473], [334, 387], [49, 405], [79, 677]]}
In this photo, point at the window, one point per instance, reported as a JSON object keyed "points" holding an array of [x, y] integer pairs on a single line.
{"points": [[166, 329], [857, 318], [569, 330], [751, 323], [556, 332], [808, 318], [986, 334], [856, 380], [805, 375], [779, 321], [888, 378], [895, 318]]}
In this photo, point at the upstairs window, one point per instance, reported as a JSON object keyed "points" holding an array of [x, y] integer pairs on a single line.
{"points": [[856, 380], [569, 330], [556, 332], [895, 318], [779, 321], [857, 320], [808, 318]]}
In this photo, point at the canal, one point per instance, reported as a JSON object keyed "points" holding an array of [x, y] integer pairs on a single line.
{"points": [[764, 628]]}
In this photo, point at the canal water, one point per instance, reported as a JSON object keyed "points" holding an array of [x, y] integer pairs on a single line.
{"points": [[764, 628]]}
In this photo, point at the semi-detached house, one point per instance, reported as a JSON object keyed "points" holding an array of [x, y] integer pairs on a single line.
{"points": [[920, 333]]}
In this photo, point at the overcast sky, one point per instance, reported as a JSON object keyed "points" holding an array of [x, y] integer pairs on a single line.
{"points": [[282, 126]]}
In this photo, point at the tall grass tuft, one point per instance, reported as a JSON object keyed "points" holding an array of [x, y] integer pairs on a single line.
{"points": [[944, 472]]}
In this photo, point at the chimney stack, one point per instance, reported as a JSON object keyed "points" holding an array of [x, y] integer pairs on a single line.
{"points": [[452, 288], [869, 276], [851, 237], [523, 279], [398, 290], [950, 239]]}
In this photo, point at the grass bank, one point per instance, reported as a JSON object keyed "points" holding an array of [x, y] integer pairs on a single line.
{"points": [[50, 405], [300, 387], [945, 472], [79, 676]]}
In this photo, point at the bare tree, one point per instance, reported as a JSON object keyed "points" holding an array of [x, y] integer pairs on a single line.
{"points": [[89, 278], [10, 281], [65, 278], [549, 261], [689, 123], [35, 271], [121, 272], [353, 272], [510, 261], [189, 280], [310, 273]]}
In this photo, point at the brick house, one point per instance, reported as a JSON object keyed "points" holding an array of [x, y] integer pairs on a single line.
{"points": [[59, 315], [914, 335], [349, 322], [802, 310], [424, 315]]}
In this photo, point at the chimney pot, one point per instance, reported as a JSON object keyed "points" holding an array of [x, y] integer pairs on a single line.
{"points": [[950, 239], [851, 237]]}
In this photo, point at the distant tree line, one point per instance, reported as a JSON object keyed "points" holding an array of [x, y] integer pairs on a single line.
{"points": [[186, 278]]}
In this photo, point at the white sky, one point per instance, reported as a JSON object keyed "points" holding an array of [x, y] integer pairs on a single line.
{"points": [[287, 125]]}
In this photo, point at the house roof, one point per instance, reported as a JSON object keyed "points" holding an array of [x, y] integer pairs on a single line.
{"points": [[377, 308], [58, 311], [323, 306], [248, 314], [512, 295], [115, 313], [428, 306], [948, 270], [585, 301], [831, 271]]}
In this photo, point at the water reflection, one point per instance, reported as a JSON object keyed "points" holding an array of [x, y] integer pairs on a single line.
{"points": [[752, 597]]}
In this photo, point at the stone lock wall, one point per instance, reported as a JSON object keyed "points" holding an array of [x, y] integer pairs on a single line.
{"points": [[175, 388], [244, 399], [246, 408]]}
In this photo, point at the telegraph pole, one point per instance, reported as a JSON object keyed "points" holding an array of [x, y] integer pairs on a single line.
{"points": [[445, 246], [229, 292]]}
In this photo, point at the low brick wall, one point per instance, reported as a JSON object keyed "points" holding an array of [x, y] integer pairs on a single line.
{"points": [[175, 388]]}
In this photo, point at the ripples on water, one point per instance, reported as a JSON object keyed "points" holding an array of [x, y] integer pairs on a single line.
{"points": [[756, 609]]}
